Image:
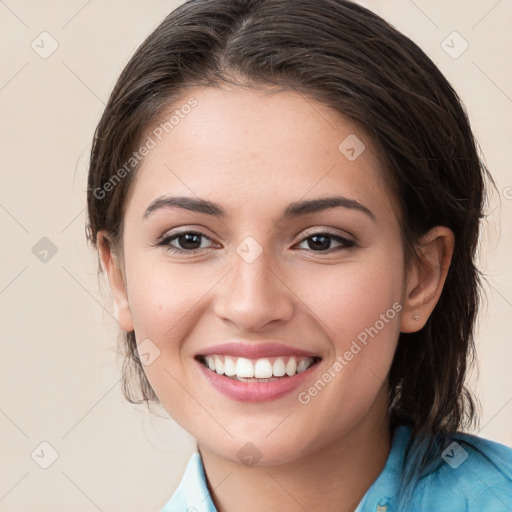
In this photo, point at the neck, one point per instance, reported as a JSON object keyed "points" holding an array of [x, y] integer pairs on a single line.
{"points": [[334, 478]]}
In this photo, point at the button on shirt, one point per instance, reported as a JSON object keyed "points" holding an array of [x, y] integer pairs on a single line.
{"points": [[474, 475]]}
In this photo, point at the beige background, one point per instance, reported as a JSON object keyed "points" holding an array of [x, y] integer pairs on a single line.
{"points": [[60, 376]]}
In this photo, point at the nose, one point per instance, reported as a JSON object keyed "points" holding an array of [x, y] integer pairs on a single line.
{"points": [[253, 295]]}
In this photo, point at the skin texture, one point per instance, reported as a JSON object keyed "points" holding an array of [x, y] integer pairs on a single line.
{"points": [[254, 152]]}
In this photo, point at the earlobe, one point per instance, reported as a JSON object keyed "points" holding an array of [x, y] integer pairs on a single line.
{"points": [[426, 278], [115, 281]]}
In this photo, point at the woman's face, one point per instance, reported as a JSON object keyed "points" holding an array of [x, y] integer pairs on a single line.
{"points": [[268, 279]]}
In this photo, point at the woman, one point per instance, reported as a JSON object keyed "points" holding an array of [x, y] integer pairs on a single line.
{"points": [[286, 196]]}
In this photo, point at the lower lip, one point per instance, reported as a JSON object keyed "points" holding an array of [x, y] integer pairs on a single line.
{"points": [[255, 391]]}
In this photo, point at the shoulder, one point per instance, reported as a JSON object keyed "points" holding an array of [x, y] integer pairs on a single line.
{"points": [[473, 475]]}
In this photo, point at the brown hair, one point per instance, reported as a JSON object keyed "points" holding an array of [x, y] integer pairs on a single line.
{"points": [[353, 61]]}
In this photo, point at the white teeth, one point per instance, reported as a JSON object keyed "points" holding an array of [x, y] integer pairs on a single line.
{"points": [[279, 368], [263, 368], [229, 366], [303, 364], [291, 367], [244, 368], [219, 365]]}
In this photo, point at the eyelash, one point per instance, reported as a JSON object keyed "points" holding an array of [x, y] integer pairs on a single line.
{"points": [[167, 239]]}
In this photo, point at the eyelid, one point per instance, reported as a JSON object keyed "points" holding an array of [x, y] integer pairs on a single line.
{"points": [[326, 231], [174, 234], [181, 230]]}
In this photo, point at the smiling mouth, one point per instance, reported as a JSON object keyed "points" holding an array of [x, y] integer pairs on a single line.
{"points": [[265, 369]]}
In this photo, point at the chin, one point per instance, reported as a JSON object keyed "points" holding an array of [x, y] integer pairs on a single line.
{"points": [[260, 450]]}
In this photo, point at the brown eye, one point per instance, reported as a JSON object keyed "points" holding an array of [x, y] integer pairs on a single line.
{"points": [[321, 242], [187, 241]]}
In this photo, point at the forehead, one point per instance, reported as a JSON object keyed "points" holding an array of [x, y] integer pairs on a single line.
{"points": [[238, 145]]}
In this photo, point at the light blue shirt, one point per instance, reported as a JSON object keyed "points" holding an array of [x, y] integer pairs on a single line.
{"points": [[473, 475]]}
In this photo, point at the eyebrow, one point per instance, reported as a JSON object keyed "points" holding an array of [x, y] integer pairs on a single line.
{"points": [[293, 210]]}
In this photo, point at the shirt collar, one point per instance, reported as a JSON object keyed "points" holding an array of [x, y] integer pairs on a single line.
{"points": [[192, 494], [381, 495]]}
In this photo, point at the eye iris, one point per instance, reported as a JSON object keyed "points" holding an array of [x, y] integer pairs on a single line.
{"points": [[189, 239], [316, 244]]}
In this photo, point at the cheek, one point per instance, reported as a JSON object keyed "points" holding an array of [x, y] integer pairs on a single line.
{"points": [[349, 298], [359, 306], [163, 295], [165, 303]]}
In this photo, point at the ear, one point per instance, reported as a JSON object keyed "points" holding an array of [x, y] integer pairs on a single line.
{"points": [[110, 264], [426, 278]]}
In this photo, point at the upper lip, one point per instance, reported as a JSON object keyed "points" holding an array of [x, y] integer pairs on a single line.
{"points": [[254, 350]]}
